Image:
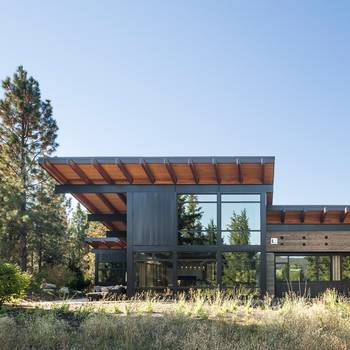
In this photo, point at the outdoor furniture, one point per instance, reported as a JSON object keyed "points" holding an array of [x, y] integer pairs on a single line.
{"points": [[106, 292]]}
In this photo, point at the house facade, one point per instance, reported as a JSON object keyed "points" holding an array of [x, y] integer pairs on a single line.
{"points": [[204, 222]]}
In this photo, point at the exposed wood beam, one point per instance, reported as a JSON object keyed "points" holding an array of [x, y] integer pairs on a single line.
{"points": [[148, 172], [323, 215], [240, 176], [106, 202], [108, 225], [125, 172], [54, 172], [262, 169], [217, 172], [107, 217], [102, 172], [194, 171], [87, 202], [302, 216], [75, 167], [344, 214], [171, 171], [122, 197], [282, 216]]}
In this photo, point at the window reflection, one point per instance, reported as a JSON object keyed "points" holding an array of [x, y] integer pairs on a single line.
{"points": [[240, 219], [234, 211], [240, 268], [303, 268], [240, 198], [197, 221], [345, 268]]}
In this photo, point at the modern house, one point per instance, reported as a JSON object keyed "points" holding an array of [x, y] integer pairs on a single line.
{"points": [[204, 222]]}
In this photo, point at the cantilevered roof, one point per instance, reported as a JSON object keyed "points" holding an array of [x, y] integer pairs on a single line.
{"points": [[157, 170], [154, 171], [308, 214]]}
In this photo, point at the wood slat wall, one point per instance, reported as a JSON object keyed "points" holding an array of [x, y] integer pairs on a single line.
{"points": [[309, 241]]}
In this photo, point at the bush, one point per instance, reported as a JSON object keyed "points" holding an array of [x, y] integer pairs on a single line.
{"points": [[59, 275], [13, 282]]}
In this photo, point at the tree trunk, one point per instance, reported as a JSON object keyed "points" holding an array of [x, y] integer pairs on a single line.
{"points": [[23, 252], [40, 259]]}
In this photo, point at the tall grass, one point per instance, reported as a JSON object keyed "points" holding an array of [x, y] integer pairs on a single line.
{"points": [[198, 320]]}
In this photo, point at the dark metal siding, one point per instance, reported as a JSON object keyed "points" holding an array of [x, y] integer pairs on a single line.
{"points": [[154, 218]]}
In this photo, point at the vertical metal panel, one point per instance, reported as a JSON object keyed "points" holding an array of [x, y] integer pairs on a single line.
{"points": [[263, 262], [154, 218], [130, 245], [270, 273], [219, 242]]}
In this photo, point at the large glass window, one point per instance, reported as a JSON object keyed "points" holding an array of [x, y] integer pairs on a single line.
{"points": [[295, 268], [345, 267], [153, 270], [196, 270], [197, 219], [240, 268], [111, 273], [240, 219]]}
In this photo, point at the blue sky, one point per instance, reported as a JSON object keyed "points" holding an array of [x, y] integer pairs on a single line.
{"points": [[196, 78]]}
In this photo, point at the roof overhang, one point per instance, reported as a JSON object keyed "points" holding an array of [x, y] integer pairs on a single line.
{"points": [[105, 243], [308, 214], [155, 171]]}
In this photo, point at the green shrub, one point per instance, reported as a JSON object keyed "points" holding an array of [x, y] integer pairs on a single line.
{"points": [[56, 274], [13, 282]]}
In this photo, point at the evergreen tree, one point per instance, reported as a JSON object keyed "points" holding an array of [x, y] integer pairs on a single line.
{"points": [[189, 219], [27, 130], [77, 247], [210, 237], [47, 240], [239, 265]]}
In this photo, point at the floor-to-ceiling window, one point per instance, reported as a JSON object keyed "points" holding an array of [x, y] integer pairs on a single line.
{"points": [[226, 221], [218, 244]]}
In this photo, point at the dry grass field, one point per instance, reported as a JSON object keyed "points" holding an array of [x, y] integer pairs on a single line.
{"points": [[195, 322]]}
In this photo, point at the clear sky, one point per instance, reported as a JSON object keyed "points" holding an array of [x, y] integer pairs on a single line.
{"points": [[187, 78]]}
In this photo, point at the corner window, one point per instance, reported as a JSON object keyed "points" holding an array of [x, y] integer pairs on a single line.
{"points": [[197, 219], [240, 219]]}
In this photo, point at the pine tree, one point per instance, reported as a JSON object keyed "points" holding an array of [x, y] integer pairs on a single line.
{"points": [[238, 265], [27, 130], [47, 240], [189, 219], [78, 227]]}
